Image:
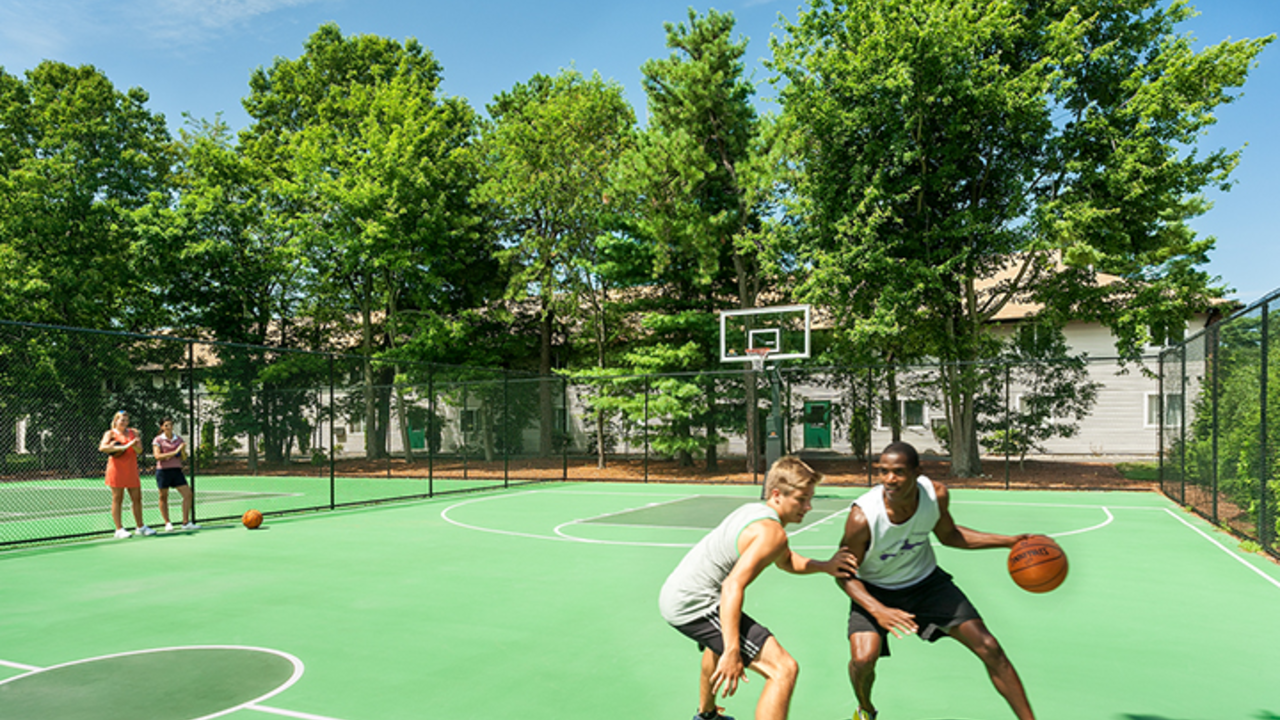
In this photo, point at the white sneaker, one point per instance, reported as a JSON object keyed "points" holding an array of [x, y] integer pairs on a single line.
{"points": [[144, 530], [190, 526], [121, 533], [168, 527]]}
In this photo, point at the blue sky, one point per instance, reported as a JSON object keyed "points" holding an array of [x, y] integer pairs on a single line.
{"points": [[195, 56]]}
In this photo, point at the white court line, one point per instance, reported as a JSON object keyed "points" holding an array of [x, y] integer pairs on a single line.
{"points": [[647, 527], [288, 713], [560, 529], [445, 515], [561, 533], [1054, 505], [813, 525], [20, 666], [642, 507], [1102, 524], [298, 669], [1223, 548]]}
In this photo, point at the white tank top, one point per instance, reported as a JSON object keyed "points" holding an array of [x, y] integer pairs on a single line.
{"points": [[693, 588], [899, 555]]}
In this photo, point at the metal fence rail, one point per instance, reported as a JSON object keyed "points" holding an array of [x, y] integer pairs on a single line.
{"points": [[283, 430]]}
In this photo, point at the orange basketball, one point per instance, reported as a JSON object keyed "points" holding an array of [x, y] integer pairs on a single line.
{"points": [[252, 519], [1037, 564]]}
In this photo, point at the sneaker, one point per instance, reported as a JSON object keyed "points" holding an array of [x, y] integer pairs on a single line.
{"points": [[121, 533], [144, 530], [168, 527], [861, 714], [717, 716], [190, 526]]}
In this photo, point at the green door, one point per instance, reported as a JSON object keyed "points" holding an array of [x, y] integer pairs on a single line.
{"points": [[817, 424]]}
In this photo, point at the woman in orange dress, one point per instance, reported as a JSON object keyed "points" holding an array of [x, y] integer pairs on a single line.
{"points": [[121, 444]]}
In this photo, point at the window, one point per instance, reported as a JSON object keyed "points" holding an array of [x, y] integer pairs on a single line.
{"points": [[1163, 338], [468, 421], [1172, 410], [912, 413]]}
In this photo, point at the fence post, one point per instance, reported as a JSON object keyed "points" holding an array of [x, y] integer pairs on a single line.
{"points": [[506, 449], [646, 428], [431, 430], [462, 431], [1264, 473], [871, 421], [333, 451], [1008, 424], [1182, 424], [564, 415], [1160, 422], [191, 419], [1214, 367]]}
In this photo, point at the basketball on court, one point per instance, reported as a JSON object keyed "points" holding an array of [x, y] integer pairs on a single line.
{"points": [[1037, 564], [252, 519]]}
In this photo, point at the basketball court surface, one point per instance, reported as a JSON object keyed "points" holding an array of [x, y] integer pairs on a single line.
{"points": [[541, 603]]}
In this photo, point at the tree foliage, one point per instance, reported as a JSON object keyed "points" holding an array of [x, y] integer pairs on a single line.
{"points": [[548, 152], [371, 173], [959, 154]]}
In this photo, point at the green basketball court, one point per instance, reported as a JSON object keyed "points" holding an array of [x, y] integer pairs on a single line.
{"points": [[540, 603]]}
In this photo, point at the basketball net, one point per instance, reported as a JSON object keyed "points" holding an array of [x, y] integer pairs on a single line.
{"points": [[758, 356]]}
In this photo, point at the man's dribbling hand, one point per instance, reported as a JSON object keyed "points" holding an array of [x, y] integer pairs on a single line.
{"points": [[727, 673], [898, 622]]}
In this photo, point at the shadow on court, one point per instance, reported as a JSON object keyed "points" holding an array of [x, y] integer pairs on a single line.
{"points": [[1262, 715]]}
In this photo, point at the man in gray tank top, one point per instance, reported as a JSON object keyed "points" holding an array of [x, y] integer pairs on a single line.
{"points": [[899, 587], [703, 596]]}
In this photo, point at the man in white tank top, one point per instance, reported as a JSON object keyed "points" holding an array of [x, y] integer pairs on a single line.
{"points": [[899, 587], [702, 598]]}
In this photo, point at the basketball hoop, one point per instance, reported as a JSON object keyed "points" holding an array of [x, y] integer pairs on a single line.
{"points": [[758, 356]]}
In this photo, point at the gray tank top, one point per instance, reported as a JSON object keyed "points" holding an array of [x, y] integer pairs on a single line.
{"points": [[693, 588]]}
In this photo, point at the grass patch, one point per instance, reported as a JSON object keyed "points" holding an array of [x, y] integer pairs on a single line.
{"points": [[1147, 471]]}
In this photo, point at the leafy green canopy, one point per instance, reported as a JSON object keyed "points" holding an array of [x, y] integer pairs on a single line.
{"points": [[78, 158], [958, 154]]}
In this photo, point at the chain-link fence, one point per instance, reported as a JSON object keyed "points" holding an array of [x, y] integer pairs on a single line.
{"points": [[1218, 395], [286, 431], [1060, 422], [265, 428]]}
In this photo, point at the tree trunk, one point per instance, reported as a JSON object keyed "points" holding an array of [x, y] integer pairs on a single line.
{"points": [[713, 463], [966, 460], [752, 402], [253, 453], [402, 413], [601, 335], [370, 403], [404, 424], [486, 431], [895, 408], [546, 431]]}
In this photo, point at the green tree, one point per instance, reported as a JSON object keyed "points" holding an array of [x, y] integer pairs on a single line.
{"points": [[959, 154], [227, 266], [372, 171], [1224, 396], [78, 159], [1053, 387], [701, 182], [548, 152]]}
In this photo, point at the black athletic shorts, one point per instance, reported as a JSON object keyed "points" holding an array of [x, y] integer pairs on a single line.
{"points": [[935, 601], [170, 478], [706, 631]]}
